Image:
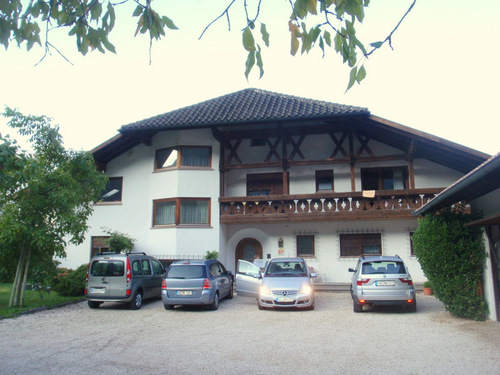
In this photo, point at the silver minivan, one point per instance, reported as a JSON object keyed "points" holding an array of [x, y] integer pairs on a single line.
{"points": [[382, 280], [129, 278]]}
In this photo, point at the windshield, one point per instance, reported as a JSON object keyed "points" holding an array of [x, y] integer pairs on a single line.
{"points": [[285, 269], [382, 267], [186, 271]]}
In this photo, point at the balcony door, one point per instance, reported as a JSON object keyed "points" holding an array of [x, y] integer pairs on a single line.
{"points": [[265, 184], [248, 249]]}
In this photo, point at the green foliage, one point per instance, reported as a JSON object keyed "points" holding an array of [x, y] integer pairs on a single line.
{"points": [[49, 195], [71, 283], [92, 21], [119, 242], [452, 256], [212, 255]]}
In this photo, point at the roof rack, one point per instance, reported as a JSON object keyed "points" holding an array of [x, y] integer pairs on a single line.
{"points": [[136, 252]]}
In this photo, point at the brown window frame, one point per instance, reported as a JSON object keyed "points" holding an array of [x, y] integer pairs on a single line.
{"points": [[305, 255], [324, 174], [178, 164], [272, 182], [353, 244], [178, 205]]}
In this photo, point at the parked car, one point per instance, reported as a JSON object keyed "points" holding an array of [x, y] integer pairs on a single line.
{"points": [[382, 280], [285, 283], [129, 278], [203, 282]]}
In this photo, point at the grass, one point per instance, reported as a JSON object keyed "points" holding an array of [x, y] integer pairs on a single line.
{"points": [[32, 300]]}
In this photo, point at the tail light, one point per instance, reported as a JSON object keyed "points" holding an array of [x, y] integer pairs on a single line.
{"points": [[207, 284], [409, 301], [85, 291], [87, 277], [406, 281], [362, 281], [164, 284], [129, 271]]}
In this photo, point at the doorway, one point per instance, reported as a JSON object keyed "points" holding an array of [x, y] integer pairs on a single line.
{"points": [[248, 249]]}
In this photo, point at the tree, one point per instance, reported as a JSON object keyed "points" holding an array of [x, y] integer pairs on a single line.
{"points": [[118, 242], [91, 23], [451, 256], [49, 195]]}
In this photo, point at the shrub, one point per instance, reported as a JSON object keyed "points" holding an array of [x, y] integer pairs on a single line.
{"points": [[451, 256], [119, 242], [212, 255], [71, 283]]}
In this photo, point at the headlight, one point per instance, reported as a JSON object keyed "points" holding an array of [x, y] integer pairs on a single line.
{"points": [[264, 290], [306, 289]]}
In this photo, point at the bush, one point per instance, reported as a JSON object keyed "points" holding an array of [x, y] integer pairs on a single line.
{"points": [[452, 256], [212, 255], [71, 283]]}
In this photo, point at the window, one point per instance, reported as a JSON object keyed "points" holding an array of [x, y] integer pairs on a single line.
{"points": [[183, 156], [146, 267], [324, 180], [181, 211], [305, 246], [113, 190], [157, 267], [384, 178], [136, 268], [265, 184], [257, 142], [99, 245], [354, 245]]}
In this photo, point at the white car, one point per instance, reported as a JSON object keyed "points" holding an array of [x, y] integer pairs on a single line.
{"points": [[285, 283]]}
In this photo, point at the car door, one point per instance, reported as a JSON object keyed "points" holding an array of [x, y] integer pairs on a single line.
{"points": [[248, 279], [158, 274]]}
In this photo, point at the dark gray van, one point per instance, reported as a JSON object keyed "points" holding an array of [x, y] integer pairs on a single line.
{"points": [[129, 278]]}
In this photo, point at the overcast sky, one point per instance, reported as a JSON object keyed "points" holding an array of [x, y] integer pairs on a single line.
{"points": [[440, 78]]}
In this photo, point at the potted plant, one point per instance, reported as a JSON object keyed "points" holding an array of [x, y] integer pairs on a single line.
{"points": [[427, 288]]}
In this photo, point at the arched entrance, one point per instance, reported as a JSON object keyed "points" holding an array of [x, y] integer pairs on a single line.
{"points": [[248, 249]]}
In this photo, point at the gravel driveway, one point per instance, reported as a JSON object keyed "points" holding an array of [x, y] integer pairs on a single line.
{"points": [[240, 339]]}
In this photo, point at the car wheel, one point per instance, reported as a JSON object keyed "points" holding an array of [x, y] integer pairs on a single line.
{"points": [[168, 307], [357, 307], [94, 304], [136, 302], [230, 295], [411, 308], [215, 304]]}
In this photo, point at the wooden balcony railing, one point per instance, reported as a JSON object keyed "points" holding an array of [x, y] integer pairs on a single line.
{"points": [[384, 204]]}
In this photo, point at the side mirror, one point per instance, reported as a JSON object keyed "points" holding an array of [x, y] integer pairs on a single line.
{"points": [[351, 270], [314, 274], [257, 276]]}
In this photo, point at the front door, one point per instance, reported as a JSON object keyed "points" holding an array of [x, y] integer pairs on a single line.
{"points": [[248, 249]]}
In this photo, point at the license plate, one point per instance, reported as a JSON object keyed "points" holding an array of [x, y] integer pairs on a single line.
{"points": [[385, 283], [184, 293], [284, 299], [97, 290]]}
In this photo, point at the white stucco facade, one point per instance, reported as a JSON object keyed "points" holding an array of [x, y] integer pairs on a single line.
{"points": [[142, 185]]}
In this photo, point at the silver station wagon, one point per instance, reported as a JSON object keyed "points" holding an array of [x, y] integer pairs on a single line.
{"points": [[382, 280], [196, 282], [285, 283]]}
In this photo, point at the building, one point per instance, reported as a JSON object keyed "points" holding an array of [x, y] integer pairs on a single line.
{"points": [[481, 190], [260, 174]]}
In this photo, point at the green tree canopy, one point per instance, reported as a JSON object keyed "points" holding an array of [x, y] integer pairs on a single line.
{"points": [[451, 256], [311, 23], [49, 194]]}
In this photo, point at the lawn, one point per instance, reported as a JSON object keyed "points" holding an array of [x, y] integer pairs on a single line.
{"points": [[32, 300]]}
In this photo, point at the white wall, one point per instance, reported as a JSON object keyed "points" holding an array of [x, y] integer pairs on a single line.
{"points": [[327, 261], [141, 185]]}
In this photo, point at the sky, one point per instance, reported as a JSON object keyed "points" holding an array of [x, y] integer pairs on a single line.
{"points": [[440, 77]]}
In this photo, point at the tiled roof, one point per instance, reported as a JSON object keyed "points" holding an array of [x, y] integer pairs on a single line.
{"points": [[249, 105]]}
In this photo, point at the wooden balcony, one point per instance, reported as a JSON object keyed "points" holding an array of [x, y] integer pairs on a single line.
{"points": [[374, 205]]}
